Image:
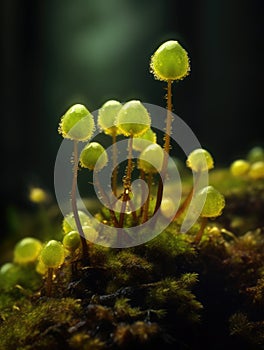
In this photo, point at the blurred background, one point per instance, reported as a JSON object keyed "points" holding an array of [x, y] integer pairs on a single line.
{"points": [[57, 53]]}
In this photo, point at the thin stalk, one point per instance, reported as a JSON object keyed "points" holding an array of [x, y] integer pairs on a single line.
{"points": [[188, 199], [85, 254], [142, 176], [184, 205], [106, 200], [126, 182], [49, 281], [166, 145], [133, 210], [199, 234], [146, 204], [115, 169]]}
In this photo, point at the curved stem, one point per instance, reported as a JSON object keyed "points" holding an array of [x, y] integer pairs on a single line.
{"points": [[184, 205], [146, 205], [142, 177], [166, 145], [199, 234], [188, 199], [106, 200], [85, 254], [126, 182], [115, 169]]}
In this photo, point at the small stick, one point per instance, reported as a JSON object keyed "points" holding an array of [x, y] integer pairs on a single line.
{"points": [[199, 234]]}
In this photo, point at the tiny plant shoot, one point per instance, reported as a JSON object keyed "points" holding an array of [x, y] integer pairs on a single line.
{"points": [[198, 161], [77, 124], [169, 63], [84, 282], [131, 120], [52, 256], [106, 118]]}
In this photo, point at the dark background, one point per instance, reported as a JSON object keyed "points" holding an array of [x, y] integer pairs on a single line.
{"points": [[57, 53]]}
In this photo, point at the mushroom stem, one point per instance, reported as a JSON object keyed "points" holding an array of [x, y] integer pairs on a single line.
{"points": [[188, 199], [49, 281], [146, 204], [106, 200], [184, 205], [199, 234], [85, 254], [126, 182], [115, 169], [142, 177], [166, 145]]}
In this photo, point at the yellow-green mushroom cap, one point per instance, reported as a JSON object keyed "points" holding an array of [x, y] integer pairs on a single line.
{"points": [[200, 160], [72, 241], [107, 115], [52, 254], [41, 268], [170, 62], [90, 233], [168, 207], [239, 167], [77, 123], [27, 250], [10, 276], [133, 119], [69, 224], [37, 195], [256, 170], [214, 202], [93, 155], [6, 268], [142, 141], [256, 154], [151, 158]]}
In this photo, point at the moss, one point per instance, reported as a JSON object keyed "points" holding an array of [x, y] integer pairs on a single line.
{"points": [[176, 294], [39, 324], [124, 311], [199, 289], [136, 334], [169, 247], [84, 341], [23, 275], [251, 333]]}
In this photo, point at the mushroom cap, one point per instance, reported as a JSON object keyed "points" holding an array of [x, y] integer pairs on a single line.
{"points": [[170, 61], [133, 119]]}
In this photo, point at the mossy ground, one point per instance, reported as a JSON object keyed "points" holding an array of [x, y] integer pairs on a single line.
{"points": [[167, 293]]}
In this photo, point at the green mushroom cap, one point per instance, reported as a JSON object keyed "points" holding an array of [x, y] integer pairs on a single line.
{"points": [[93, 155], [27, 250], [107, 115], [214, 202], [90, 233], [170, 62], [200, 160], [151, 158], [52, 254], [239, 167], [133, 119], [68, 223], [256, 170], [77, 123], [142, 141], [72, 241], [256, 154]]}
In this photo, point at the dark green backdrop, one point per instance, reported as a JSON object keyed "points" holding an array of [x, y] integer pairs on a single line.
{"points": [[56, 53]]}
